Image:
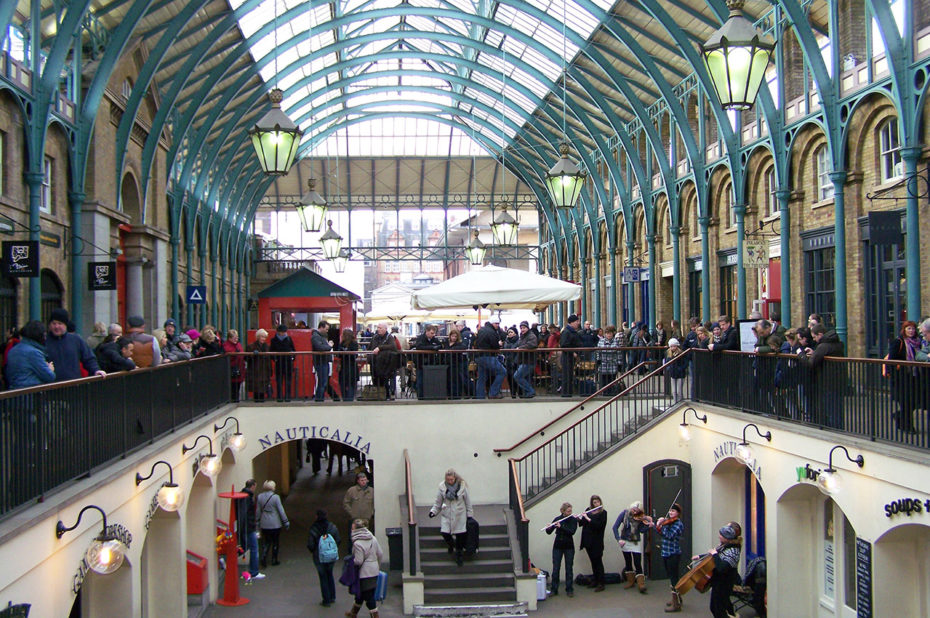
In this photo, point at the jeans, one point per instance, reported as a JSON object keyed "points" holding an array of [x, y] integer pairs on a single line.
{"points": [[271, 538], [322, 379], [490, 364], [671, 567], [521, 376], [253, 553], [327, 584], [557, 555]]}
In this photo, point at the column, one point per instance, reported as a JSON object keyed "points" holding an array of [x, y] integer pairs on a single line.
{"points": [[78, 278], [651, 247], [782, 196], [188, 309], [704, 222], [34, 183], [676, 276], [175, 271], [739, 210], [839, 264], [135, 298], [598, 310], [911, 155]]}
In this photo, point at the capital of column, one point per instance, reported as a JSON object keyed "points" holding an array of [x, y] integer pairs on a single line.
{"points": [[910, 153], [838, 178], [34, 179], [76, 197]]}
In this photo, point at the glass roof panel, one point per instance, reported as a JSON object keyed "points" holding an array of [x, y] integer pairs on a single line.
{"points": [[515, 62]]}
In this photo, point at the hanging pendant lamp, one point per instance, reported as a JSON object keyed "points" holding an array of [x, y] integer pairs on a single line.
{"points": [[275, 138]]}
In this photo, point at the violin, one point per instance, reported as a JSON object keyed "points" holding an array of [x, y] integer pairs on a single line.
{"points": [[666, 521], [699, 575]]}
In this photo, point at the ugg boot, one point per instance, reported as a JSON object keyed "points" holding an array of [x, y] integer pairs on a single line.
{"points": [[352, 613], [373, 613], [630, 582], [675, 604], [641, 583]]}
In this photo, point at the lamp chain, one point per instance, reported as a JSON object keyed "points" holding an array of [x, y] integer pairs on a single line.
{"points": [[564, 72]]}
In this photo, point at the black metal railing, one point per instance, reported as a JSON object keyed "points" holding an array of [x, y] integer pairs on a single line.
{"points": [[609, 423], [519, 516], [875, 399], [50, 435], [413, 545], [443, 374]]}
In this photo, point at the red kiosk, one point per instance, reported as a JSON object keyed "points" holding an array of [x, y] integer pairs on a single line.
{"points": [[301, 294]]}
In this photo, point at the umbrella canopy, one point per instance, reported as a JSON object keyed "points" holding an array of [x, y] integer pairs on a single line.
{"points": [[496, 288]]}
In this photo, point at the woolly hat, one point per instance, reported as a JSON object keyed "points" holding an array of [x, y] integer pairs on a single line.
{"points": [[673, 342], [728, 532], [494, 319], [136, 321], [59, 315], [193, 333]]}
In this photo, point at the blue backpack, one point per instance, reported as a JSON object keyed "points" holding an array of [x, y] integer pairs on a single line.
{"points": [[327, 550]]}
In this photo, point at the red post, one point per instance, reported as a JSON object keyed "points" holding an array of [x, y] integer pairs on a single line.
{"points": [[231, 596]]}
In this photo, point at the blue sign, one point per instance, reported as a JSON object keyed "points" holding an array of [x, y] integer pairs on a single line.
{"points": [[630, 274], [196, 294]]}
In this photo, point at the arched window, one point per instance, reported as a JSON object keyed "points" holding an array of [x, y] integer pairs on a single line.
{"points": [[824, 167], [8, 317], [771, 203], [890, 150], [52, 293], [727, 203]]}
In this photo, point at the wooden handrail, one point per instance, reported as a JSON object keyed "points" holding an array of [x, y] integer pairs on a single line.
{"points": [[516, 483], [411, 509], [581, 405], [651, 374]]}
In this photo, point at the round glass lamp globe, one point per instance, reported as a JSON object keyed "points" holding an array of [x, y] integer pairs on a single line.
{"points": [[169, 497], [237, 442], [744, 453], [684, 431], [104, 556], [211, 465], [828, 483]]}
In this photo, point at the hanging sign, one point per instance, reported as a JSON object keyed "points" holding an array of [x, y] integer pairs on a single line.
{"points": [[631, 274], [101, 276], [885, 228], [21, 258], [755, 254], [196, 294]]}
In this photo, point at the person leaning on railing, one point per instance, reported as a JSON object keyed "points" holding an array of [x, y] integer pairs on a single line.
{"points": [[458, 365], [258, 370], [609, 356], [27, 364]]}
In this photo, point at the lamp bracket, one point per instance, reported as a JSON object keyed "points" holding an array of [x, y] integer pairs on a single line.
{"points": [[140, 478], [859, 460], [684, 415], [226, 422], [60, 527], [767, 435], [185, 448]]}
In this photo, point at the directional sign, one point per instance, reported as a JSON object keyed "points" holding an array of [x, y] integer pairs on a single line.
{"points": [[630, 274], [196, 294]]}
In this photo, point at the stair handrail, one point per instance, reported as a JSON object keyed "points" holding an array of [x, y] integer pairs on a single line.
{"points": [[411, 515], [655, 372], [578, 406], [523, 523]]}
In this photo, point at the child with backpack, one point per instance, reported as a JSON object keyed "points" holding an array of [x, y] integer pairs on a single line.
{"points": [[323, 543]]}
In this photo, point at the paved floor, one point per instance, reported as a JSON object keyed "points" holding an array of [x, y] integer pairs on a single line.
{"points": [[292, 588]]}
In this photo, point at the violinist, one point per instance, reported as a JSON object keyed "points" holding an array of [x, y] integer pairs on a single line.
{"points": [[725, 574], [670, 529], [629, 530], [593, 523]]}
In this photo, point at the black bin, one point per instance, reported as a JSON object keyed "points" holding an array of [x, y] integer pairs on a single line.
{"points": [[434, 381], [395, 548]]}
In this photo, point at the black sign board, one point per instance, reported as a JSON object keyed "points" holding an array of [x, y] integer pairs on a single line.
{"points": [[863, 578], [885, 228], [21, 258], [101, 276]]}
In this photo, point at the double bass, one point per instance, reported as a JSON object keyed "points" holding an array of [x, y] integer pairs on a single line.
{"points": [[699, 575]]}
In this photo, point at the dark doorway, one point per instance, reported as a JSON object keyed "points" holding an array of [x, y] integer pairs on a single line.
{"points": [[662, 481]]}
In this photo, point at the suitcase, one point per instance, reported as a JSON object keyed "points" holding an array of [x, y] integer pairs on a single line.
{"points": [[381, 587], [472, 532]]}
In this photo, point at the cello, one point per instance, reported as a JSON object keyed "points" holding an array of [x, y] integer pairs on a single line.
{"points": [[699, 575]]}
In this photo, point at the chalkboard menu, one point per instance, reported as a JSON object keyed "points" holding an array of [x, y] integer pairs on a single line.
{"points": [[863, 578]]}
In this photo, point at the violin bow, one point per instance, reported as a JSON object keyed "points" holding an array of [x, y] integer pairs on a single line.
{"points": [[672, 504]]}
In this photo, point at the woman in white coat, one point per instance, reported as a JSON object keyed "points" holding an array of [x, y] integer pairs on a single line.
{"points": [[453, 505]]}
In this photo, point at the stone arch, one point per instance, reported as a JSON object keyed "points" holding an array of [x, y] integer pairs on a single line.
{"points": [[200, 521], [109, 595], [161, 546], [905, 551], [757, 167], [803, 163], [130, 199]]}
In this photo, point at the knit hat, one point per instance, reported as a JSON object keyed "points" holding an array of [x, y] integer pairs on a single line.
{"points": [[673, 342], [525, 323], [494, 319], [572, 318], [193, 334], [184, 338], [136, 321], [59, 315], [728, 532], [171, 322]]}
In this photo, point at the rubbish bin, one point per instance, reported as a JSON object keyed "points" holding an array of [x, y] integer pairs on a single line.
{"points": [[395, 547], [434, 381]]}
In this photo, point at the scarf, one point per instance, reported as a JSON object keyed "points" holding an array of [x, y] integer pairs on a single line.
{"points": [[912, 346], [452, 492], [632, 527]]}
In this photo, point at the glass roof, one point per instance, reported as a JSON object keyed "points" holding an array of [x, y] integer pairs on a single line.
{"points": [[374, 58]]}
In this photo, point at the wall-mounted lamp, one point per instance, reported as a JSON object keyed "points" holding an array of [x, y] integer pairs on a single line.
{"points": [[684, 430], [169, 497], [106, 553], [827, 481], [210, 465], [743, 452], [237, 442]]}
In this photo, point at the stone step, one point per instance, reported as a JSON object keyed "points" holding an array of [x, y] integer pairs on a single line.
{"points": [[484, 529], [429, 538], [477, 580], [472, 610], [474, 595], [441, 554], [475, 565]]}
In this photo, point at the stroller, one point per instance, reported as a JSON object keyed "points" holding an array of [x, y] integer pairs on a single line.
{"points": [[752, 592]]}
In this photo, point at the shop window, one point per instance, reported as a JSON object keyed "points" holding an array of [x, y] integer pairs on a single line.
{"points": [[892, 166], [824, 183], [771, 203], [52, 293], [849, 564], [695, 290], [820, 287], [728, 205], [45, 203], [728, 290], [8, 317], [126, 90]]}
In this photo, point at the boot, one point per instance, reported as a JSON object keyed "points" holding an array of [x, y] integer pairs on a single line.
{"points": [[373, 613], [675, 604], [630, 582], [352, 613], [641, 583]]}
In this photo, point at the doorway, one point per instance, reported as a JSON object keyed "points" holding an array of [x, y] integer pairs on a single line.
{"points": [[666, 482]]}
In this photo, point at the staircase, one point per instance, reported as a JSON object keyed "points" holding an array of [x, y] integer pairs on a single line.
{"points": [[486, 579]]}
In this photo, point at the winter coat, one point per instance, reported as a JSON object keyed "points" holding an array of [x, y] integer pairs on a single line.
{"points": [[488, 338], [428, 345], [146, 352], [829, 376], [259, 368], [564, 532], [111, 360], [245, 515], [675, 370], [269, 509], [728, 340], [366, 552], [317, 530], [453, 517], [592, 532], [283, 364], [569, 338], [359, 502], [26, 365], [209, 349], [69, 352], [348, 368], [319, 343], [387, 360], [236, 363]]}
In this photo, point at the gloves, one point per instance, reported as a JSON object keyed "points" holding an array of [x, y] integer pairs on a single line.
{"points": [[432, 514]]}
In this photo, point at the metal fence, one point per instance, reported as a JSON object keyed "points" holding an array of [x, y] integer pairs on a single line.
{"points": [[875, 399], [443, 374], [50, 435]]}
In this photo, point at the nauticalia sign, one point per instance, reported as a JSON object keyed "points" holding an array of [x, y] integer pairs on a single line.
{"points": [[324, 432]]}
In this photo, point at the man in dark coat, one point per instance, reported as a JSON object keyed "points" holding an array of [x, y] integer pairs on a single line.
{"points": [[283, 365], [384, 360], [427, 342], [116, 355], [527, 360], [570, 338], [68, 351], [319, 343], [725, 366], [247, 525], [828, 379], [488, 342]]}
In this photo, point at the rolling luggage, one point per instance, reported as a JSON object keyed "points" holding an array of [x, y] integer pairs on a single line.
{"points": [[381, 587], [471, 536]]}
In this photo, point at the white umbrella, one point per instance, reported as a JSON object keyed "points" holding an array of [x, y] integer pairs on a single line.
{"points": [[496, 288]]}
